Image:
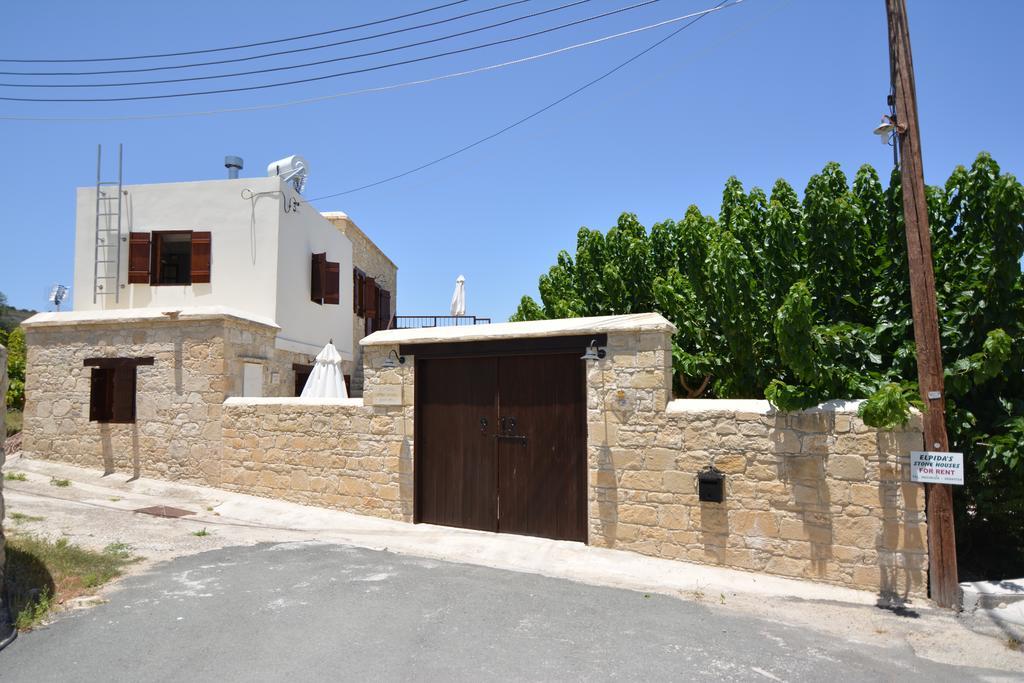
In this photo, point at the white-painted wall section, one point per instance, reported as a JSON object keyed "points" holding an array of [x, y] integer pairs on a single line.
{"points": [[260, 256], [305, 325]]}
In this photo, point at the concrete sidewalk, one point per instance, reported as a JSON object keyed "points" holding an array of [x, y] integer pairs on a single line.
{"points": [[96, 510], [243, 517]]}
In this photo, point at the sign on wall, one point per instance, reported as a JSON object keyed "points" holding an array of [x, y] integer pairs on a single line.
{"points": [[387, 395], [936, 467]]}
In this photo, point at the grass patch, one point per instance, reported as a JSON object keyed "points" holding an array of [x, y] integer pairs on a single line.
{"points": [[42, 574], [12, 422], [19, 517], [1013, 644], [115, 499], [62, 483], [201, 532], [15, 476]]}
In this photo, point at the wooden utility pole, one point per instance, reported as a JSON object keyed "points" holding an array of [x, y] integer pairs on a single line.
{"points": [[942, 577]]}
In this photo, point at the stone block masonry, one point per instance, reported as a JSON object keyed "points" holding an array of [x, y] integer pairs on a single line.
{"points": [[197, 363], [814, 494], [347, 454]]}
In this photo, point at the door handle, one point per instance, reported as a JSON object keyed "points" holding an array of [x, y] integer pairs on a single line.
{"points": [[483, 425]]}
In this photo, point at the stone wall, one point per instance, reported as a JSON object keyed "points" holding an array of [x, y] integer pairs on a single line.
{"points": [[367, 257], [198, 363], [814, 494], [345, 453]]}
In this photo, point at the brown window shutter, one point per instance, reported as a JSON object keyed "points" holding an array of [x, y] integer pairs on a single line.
{"points": [[317, 275], [369, 298], [201, 250], [138, 258], [361, 295], [332, 283], [355, 290], [384, 311], [100, 395], [124, 393]]}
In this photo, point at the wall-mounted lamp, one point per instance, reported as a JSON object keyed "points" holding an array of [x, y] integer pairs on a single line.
{"points": [[593, 352], [885, 129], [393, 360]]}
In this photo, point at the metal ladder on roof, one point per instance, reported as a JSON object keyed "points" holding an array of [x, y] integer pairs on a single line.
{"points": [[106, 271]]}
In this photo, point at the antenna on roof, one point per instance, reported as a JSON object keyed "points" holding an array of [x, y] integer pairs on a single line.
{"points": [[58, 294]]}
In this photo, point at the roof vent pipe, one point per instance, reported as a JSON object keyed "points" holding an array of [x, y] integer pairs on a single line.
{"points": [[234, 165]]}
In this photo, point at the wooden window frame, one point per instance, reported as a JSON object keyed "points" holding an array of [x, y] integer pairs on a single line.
{"points": [[156, 239], [324, 280], [113, 388]]}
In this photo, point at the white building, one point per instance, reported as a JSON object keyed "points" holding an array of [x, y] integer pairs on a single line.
{"points": [[247, 244]]}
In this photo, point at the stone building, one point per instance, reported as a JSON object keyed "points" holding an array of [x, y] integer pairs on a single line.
{"points": [[374, 286], [186, 294]]}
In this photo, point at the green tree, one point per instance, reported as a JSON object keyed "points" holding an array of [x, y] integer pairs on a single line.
{"points": [[16, 369], [805, 301]]}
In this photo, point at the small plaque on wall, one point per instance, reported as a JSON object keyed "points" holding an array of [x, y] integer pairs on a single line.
{"points": [[387, 395]]}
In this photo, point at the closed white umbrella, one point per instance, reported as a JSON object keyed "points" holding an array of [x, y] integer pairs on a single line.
{"points": [[326, 380], [459, 297]]}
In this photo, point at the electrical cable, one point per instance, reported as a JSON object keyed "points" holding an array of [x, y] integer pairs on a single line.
{"points": [[361, 91], [721, 5], [234, 47], [267, 54], [343, 58], [414, 60]]}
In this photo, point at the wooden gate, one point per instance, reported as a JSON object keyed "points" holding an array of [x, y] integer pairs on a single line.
{"points": [[501, 443]]}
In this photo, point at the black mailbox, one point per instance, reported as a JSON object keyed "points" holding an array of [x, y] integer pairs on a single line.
{"points": [[710, 485]]}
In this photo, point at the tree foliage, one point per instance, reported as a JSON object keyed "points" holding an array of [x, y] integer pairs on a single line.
{"points": [[15, 343], [805, 301]]}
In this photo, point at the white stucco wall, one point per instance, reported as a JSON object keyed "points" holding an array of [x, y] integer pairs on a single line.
{"points": [[307, 326], [259, 261]]}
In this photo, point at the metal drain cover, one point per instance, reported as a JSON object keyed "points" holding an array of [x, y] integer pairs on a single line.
{"points": [[164, 511]]}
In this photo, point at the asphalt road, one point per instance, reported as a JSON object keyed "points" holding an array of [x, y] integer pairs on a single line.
{"points": [[329, 612]]}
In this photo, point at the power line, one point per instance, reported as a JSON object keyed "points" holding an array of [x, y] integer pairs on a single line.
{"points": [[267, 54], [333, 75], [236, 47], [362, 91], [721, 5], [396, 48]]}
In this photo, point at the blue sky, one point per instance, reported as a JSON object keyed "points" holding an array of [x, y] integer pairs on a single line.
{"points": [[767, 89]]}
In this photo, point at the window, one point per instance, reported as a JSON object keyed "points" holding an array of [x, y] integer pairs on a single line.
{"points": [[172, 257], [112, 388], [324, 280]]}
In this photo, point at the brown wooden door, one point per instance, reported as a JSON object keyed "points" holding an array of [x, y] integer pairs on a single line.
{"points": [[456, 468], [542, 454], [524, 470]]}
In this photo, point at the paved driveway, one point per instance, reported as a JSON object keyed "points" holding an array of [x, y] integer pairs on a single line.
{"points": [[304, 611]]}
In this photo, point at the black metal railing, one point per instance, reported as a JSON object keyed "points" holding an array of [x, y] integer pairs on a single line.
{"points": [[407, 322]]}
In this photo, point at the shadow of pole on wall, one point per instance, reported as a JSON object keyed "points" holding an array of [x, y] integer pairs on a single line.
{"points": [[898, 555], [136, 464], [606, 493], [800, 441], [107, 448]]}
